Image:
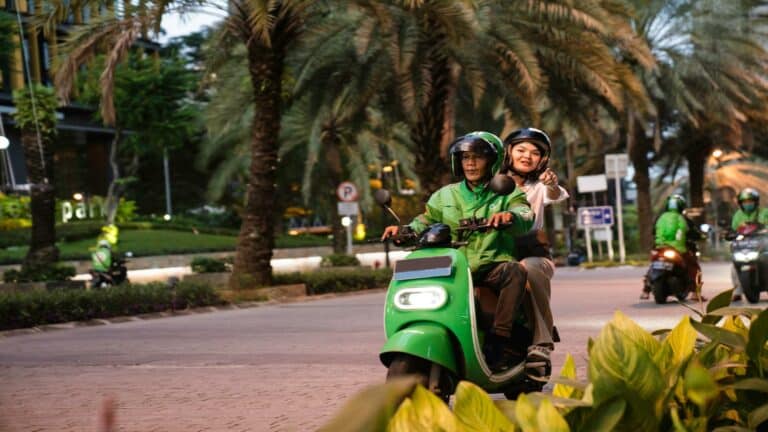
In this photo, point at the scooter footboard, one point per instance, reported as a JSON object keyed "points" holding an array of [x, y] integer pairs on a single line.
{"points": [[428, 341]]}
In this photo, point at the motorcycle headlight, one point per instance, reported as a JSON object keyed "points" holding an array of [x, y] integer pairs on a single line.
{"points": [[670, 254], [422, 298], [746, 256]]}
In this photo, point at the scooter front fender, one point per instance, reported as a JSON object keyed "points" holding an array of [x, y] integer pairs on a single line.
{"points": [[428, 341]]}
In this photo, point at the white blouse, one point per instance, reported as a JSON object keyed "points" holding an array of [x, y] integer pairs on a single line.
{"points": [[536, 193]]}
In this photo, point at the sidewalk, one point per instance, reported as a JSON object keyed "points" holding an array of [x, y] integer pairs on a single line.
{"points": [[161, 267]]}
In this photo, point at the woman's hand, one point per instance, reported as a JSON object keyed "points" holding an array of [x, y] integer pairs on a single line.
{"points": [[390, 231], [548, 178]]}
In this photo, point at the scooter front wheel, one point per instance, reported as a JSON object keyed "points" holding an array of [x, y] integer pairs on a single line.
{"points": [[405, 364], [749, 287]]}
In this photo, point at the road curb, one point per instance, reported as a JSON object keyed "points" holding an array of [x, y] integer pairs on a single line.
{"points": [[177, 313]]}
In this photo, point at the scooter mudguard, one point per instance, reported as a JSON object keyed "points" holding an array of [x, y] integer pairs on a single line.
{"points": [[428, 341]]}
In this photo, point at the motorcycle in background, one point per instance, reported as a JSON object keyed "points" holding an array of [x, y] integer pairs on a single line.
{"points": [[668, 273], [749, 252], [116, 275]]}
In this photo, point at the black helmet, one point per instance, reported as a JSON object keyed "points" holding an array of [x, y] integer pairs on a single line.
{"points": [[748, 194], [484, 143], [536, 137], [676, 203]]}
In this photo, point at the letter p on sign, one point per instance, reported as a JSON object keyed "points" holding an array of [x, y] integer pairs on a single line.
{"points": [[346, 192]]}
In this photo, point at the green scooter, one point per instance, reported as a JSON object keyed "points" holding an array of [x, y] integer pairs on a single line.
{"points": [[435, 319]]}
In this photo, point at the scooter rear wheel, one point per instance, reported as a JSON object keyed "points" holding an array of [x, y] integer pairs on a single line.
{"points": [[659, 292], [750, 288]]}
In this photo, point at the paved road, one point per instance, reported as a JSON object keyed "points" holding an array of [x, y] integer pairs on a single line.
{"points": [[281, 367]]}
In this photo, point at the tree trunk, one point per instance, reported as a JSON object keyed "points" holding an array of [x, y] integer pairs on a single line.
{"points": [[257, 237], [335, 172], [113, 197], [42, 247], [697, 162], [638, 148], [427, 134]]}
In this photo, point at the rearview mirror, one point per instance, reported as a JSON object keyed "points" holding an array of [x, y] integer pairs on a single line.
{"points": [[383, 197], [502, 184]]}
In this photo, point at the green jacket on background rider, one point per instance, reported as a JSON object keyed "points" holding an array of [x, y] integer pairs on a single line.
{"points": [[759, 215], [672, 230]]}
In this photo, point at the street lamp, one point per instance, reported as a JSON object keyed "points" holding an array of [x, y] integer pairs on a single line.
{"points": [[717, 154]]}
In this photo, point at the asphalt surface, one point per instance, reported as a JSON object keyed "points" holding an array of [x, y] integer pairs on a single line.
{"points": [[278, 367]]}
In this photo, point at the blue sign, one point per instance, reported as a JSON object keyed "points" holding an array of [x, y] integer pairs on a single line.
{"points": [[595, 216]]}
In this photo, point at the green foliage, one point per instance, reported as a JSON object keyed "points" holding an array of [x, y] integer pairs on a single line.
{"points": [[339, 260], [39, 273], [14, 206], [327, 281], [209, 265], [699, 376], [44, 113], [28, 309], [8, 29]]}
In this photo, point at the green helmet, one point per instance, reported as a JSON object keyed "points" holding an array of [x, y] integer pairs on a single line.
{"points": [[676, 203], [484, 143], [748, 194]]}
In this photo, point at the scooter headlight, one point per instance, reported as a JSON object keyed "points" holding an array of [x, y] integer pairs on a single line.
{"points": [[422, 298], [746, 256]]}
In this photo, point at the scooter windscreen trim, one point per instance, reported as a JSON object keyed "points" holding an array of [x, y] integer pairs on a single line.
{"points": [[420, 268]]}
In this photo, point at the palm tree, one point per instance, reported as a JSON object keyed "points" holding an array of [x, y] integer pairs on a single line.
{"points": [[36, 118], [708, 76], [267, 29], [511, 52]]}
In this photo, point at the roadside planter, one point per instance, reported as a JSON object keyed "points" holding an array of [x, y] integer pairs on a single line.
{"points": [[9, 287]]}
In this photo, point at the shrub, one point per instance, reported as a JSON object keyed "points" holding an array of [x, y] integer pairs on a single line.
{"points": [[40, 274], [28, 309], [326, 281], [339, 260], [209, 265], [701, 375]]}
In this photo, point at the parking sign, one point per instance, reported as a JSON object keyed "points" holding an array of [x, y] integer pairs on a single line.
{"points": [[598, 216]]}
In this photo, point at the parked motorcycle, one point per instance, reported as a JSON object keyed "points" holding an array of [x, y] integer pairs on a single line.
{"points": [[668, 272], [117, 274], [749, 252], [436, 319]]}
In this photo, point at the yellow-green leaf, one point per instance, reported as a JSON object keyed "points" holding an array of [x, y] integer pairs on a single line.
{"points": [[699, 385], [525, 413], [372, 408], [681, 339], [423, 411], [476, 411], [568, 371], [549, 419]]}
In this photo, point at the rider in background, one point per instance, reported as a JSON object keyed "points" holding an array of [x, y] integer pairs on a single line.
{"points": [[101, 258], [749, 211], [527, 159], [475, 158], [675, 230]]}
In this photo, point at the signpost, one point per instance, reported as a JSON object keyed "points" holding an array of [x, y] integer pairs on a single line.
{"points": [[596, 217], [347, 207], [616, 168]]}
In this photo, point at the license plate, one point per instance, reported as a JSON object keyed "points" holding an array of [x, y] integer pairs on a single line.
{"points": [[662, 265], [746, 267]]}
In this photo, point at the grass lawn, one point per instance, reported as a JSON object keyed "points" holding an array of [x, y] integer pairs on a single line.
{"points": [[139, 242]]}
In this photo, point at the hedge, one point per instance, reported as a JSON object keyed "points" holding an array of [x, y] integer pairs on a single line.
{"points": [[326, 281], [29, 309]]}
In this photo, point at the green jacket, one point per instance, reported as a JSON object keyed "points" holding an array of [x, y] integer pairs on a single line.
{"points": [[672, 230], [101, 259], [759, 215], [457, 201]]}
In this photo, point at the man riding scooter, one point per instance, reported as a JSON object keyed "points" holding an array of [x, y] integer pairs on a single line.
{"points": [[675, 230], [476, 158], [105, 270], [749, 211]]}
